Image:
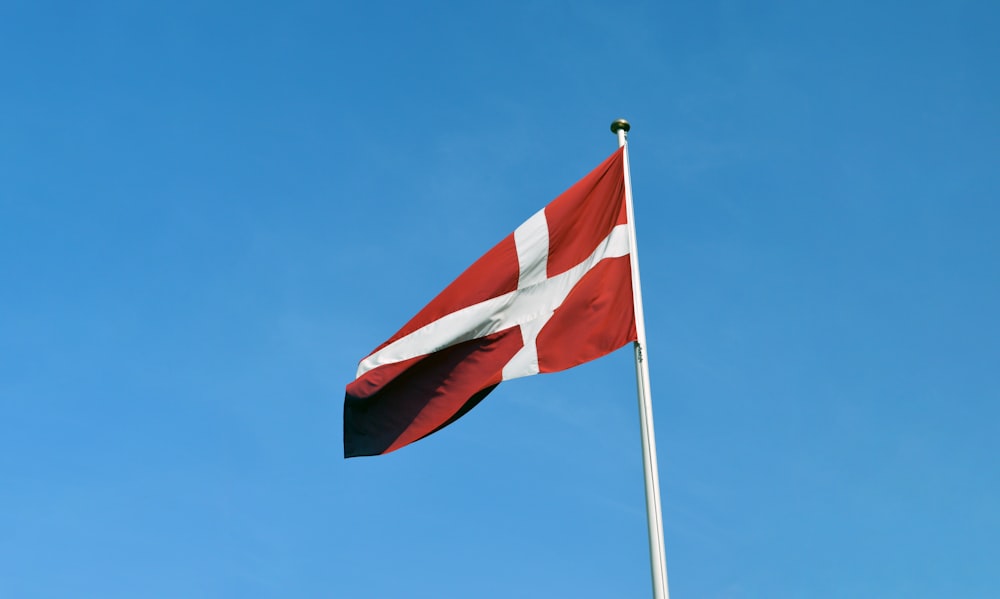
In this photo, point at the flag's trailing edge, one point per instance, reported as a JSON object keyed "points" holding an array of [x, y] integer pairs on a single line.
{"points": [[555, 293]]}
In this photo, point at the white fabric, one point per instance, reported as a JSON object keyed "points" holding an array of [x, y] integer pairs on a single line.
{"points": [[532, 242], [530, 306]]}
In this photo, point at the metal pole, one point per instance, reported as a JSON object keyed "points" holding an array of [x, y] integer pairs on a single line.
{"points": [[654, 513]]}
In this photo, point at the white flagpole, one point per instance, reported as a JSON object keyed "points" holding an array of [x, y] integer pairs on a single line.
{"points": [[654, 513]]}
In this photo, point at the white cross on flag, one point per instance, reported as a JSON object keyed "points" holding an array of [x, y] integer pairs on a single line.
{"points": [[555, 293]]}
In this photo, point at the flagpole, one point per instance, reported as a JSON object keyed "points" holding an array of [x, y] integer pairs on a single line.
{"points": [[654, 513]]}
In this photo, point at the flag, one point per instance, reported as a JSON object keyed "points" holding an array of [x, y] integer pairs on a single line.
{"points": [[555, 293]]}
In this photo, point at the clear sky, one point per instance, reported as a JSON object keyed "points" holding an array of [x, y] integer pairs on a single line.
{"points": [[210, 211]]}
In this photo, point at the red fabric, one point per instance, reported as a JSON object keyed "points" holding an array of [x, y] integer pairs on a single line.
{"points": [[397, 404], [596, 319], [585, 213], [493, 275]]}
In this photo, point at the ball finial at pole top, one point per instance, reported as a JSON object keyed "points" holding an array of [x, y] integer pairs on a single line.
{"points": [[620, 125]]}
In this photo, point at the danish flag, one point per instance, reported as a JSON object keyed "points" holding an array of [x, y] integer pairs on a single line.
{"points": [[557, 292]]}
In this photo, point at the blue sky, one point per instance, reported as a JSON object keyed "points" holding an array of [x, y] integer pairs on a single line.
{"points": [[210, 211]]}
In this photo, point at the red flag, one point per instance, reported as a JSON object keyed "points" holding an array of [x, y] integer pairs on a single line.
{"points": [[557, 292]]}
